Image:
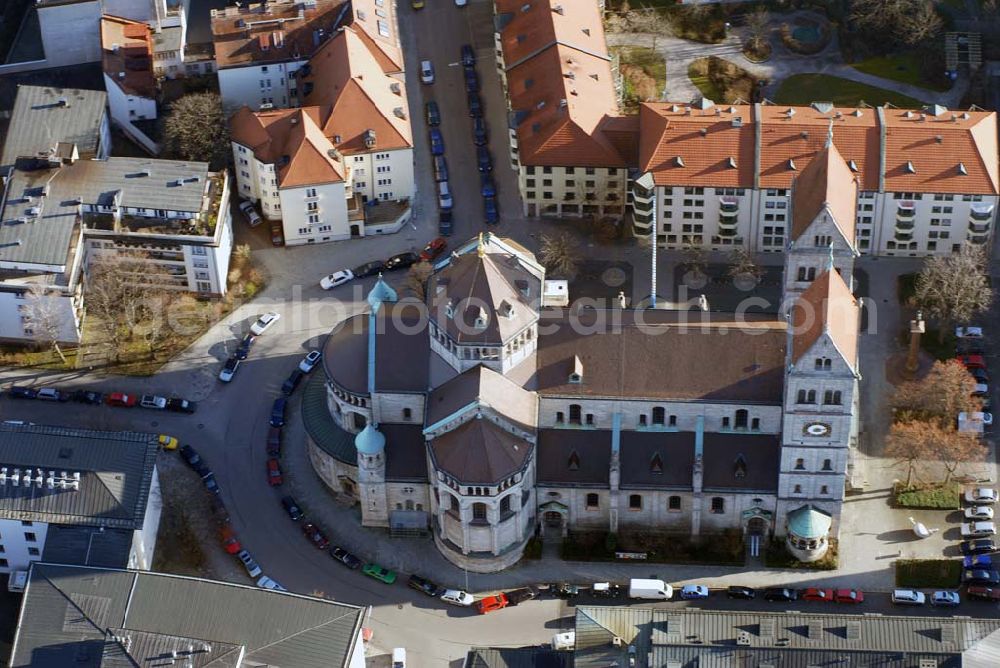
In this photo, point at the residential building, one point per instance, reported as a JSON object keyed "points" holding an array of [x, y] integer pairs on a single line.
{"points": [[129, 78], [104, 616], [342, 165], [568, 141], [85, 497], [689, 636], [720, 176], [499, 414], [45, 117]]}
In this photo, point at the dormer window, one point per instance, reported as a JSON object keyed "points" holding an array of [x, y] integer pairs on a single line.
{"points": [[574, 461], [576, 374], [740, 467], [482, 319], [506, 310], [656, 463], [523, 287]]}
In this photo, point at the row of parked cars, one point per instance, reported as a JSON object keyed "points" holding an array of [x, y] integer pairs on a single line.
{"points": [[970, 353], [95, 398], [431, 252]]}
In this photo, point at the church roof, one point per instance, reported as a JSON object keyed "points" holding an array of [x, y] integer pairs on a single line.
{"points": [[483, 386], [826, 306], [826, 182], [809, 521], [370, 440], [479, 452]]}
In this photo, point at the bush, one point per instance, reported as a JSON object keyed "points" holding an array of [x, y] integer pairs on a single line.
{"points": [[611, 542], [721, 80], [778, 556], [927, 497], [533, 549], [928, 572]]}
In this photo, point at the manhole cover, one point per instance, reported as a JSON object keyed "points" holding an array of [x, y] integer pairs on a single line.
{"points": [[614, 277]]}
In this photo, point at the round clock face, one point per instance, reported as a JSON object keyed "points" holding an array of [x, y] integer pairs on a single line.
{"points": [[817, 429]]}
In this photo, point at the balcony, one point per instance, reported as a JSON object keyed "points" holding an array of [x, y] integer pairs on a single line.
{"points": [[903, 236], [978, 228], [729, 205], [906, 211], [981, 212], [904, 226], [978, 237], [725, 230]]}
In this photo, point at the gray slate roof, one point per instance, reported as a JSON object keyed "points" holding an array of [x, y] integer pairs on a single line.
{"points": [[479, 452], [483, 386], [38, 121], [49, 238], [87, 546], [591, 464], [405, 452], [517, 657], [789, 640], [67, 611], [116, 470]]}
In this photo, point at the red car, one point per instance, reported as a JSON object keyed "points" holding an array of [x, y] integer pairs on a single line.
{"points": [[972, 361], [849, 596], [983, 593], [229, 541], [313, 533], [491, 603], [122, 399], [274, 472], [274, 442], [433, 250], [817, 594]]}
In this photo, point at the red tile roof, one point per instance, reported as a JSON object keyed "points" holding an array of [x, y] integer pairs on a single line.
{"points": [[826, 183], [700, 147], [826, 306]]}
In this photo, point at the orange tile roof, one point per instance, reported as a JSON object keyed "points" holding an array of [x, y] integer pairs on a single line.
{"points": [[801, 135], [292, 139], [927, 151], [559, 82], [356, 95], [127, 49], [826, 306], [244, 35], [826, 182], [681, 144]]}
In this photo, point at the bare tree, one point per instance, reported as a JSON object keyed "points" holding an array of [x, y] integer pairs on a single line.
{"points": [[757, 22], [695, 259], [941, 395], [954, 288], [417, 277], [560, 253], [743, 264], [955, 448], [907, 21], [196, 128], [650, 21], [46, 319], [908, 445]]}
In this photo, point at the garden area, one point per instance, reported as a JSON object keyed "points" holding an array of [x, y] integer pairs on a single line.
{"points": [[725, 549], [926, 573], [644, 75], [938, 496], [909, 67], [777, 556], [803, 89], [722, 81]]}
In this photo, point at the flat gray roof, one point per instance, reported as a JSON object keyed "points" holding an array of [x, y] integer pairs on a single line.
{"points": [[115, 472], [170, 185], [39, 120], [48, 237], [93, 617]]}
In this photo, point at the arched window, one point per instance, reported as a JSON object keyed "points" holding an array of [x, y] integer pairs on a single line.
{"points": [[800, 464], [824, 490], [593, 501], [827, 465], [635, 502], [674, 504], [478, 512], [800, 398], [797, 489], [742, 417], [409, 504], [454, 503], [574, 413], [811, 397], [656, 463], [718, 505], [505, 505], [659, 415], [560, 418]]}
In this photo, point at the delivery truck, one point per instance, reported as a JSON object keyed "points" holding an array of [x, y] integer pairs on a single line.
{"points": [[654, 590]]}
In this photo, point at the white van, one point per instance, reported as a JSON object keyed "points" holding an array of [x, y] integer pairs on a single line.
{"points": [[444, 196], [399, 657], [655, 590]]}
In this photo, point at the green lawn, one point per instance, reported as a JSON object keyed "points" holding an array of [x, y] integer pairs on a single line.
{"points": [[928, 572], [804, 89], [651, 62], [902, 67], [938, 497]]}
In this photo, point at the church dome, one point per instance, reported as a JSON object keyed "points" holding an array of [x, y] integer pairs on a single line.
{"points": [[370, 441]]}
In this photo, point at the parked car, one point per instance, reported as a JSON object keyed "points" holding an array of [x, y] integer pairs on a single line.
{"points": [[444, 223], [491, 603], [246, 208], [969, 332], [849, 596], [780, 594], [475, 105], [401, 261], [981, 576], [292, 508], [480, 134], [490, 212], [122, 400], [211, 484], [980, 546], [167, 442], [908, 597], [520, 595], [436, 140], [310, 361], [264, 323], [52, 394], [21, 392], [292, 382], [267, 583], [278, 412], [978, 561], [457, 597], [229, 541], [433, 250], [153, 401], [741, 593], [817, 594], [277, 234], [440, 168], [970, 347], [980, 593], [606, 590], [945, 599], [253, 568], [178, 405], [981, 495], [564, 590], [425, 586], [487, 188], [979, 513], [313, 533], [229, 369], [426, 72], [369, 269], [694, 592], [982, 376], [380, 573], [274, 477], [433, 113], [345, 557], [336, 279], [471, 80], [972, 361], [190, 455], [976, 529], [483, 160], [468, 56], [445, 200], [87, 397]]}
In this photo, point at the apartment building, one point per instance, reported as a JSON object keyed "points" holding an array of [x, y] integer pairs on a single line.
{"points": [[568, 141], [129, 78], [719, 176], [77, 496], [342, 165]]}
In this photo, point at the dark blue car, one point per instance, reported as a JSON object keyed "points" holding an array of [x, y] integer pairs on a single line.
{"points": [[444, 224], [475, 105], [471, 80], [278, 412], [487, 187], [468, 56], [437, 142], [479, 133], [490, 211], [483, 159]]}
